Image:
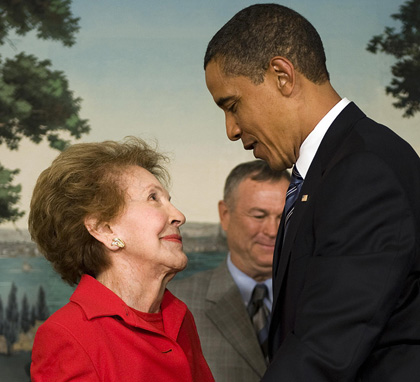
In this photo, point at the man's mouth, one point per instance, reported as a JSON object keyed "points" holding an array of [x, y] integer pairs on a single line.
{"points": [[249, 146], [267, 244]]}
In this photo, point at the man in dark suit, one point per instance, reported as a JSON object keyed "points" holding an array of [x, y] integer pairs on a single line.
{"points": [[346, 268], [219, 298]]}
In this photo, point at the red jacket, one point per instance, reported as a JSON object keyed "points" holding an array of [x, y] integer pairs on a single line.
{"points": [[97, 337]]}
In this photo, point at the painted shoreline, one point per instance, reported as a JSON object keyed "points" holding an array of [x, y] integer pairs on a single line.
{"points": [[196, 237]]}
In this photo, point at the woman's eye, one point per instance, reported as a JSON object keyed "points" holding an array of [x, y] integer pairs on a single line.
{"points": [[153, 196]]}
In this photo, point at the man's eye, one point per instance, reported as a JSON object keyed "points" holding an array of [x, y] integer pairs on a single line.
{"points": [[232, 108], [259, 216]]}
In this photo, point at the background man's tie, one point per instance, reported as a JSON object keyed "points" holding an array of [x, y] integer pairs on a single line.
{"points": [[295, 185], [260, 314]]}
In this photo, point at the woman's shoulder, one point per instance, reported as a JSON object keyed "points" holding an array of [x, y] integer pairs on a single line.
{"points": [[69, 316]]}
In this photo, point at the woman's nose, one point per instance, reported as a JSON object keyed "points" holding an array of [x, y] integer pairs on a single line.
{"points": [[178, 218]]}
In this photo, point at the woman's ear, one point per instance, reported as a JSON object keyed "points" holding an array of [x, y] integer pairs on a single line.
{"points": [[101, 232], [284, 73]]}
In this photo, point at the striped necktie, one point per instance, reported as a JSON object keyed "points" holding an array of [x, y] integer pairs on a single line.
{"points": [[295, 185], [259, 314]]}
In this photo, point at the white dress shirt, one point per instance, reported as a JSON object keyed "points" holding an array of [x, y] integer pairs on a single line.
{"points": [[310, 145]]}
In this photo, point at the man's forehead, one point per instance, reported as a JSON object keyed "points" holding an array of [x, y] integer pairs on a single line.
{"points": [[213, 74], [223, 88]]}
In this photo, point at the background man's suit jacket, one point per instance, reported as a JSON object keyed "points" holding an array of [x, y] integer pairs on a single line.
{"points": [[228, 340], [346, 277]]}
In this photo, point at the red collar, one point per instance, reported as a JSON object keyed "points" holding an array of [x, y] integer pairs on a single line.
{"points": [[96, 300]]}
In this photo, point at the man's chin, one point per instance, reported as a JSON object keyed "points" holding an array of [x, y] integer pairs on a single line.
{"points": [[273, 165], [266, 253], [277, 165], [258, 153]]}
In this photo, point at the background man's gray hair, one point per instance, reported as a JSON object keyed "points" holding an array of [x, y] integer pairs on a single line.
{"points": [[257, 170]]}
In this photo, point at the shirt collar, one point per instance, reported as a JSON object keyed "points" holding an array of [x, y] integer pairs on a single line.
{"points": [[310, 145], [246, 284]]}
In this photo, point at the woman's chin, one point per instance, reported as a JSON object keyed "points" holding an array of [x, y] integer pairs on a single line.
{"points": [[184, 263], [181, 263]]}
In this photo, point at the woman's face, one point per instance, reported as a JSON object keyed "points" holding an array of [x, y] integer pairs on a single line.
{"points": [[149, 224]]}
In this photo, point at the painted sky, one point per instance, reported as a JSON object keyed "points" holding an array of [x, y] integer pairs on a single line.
{"points": [[137, 65]]}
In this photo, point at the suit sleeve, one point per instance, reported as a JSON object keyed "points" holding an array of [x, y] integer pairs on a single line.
{"points": [[58, 356], [364, 234]]}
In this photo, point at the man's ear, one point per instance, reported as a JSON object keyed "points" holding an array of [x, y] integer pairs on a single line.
{"points": [[224, 215], [100, 231], [284, 72]]}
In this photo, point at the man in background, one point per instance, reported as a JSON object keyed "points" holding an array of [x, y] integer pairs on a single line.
{"points": [[231, 303]]}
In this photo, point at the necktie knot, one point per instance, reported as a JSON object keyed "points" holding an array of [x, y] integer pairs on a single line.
{"points": [[259, 293], [295, 178]]}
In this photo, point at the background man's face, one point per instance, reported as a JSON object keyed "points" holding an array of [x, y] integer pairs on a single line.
{"points": [[251, 225]]}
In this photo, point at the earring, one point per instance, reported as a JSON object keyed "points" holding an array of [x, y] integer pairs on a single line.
{"points": [[118, 242]]}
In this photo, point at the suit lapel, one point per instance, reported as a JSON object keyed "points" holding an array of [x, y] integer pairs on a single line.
{"points": [[328, 149], [227, 312]]}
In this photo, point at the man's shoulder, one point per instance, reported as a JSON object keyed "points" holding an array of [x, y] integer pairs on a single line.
{"points": [[197, 285]]}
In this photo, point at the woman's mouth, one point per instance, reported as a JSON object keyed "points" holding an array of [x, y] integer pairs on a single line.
{"points": [[175, 238]]}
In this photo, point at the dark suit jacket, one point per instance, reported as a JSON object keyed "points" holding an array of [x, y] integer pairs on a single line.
{"points": [[227, 337], [346, 276]]}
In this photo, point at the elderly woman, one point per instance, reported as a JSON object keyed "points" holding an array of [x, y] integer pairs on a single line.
{"points": [[102, 216]]}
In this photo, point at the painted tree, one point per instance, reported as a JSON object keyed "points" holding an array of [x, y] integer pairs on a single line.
{"points": [[9, 195], [11, 328], [404, 45], [35, 100], [25, 319], [42, 312], [33, 315]]}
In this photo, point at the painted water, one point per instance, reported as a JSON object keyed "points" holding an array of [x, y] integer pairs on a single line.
{"points": [[29, 273]]}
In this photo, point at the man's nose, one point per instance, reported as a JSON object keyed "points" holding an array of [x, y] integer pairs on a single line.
{"points": [[271, 227], [232, 129]]}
